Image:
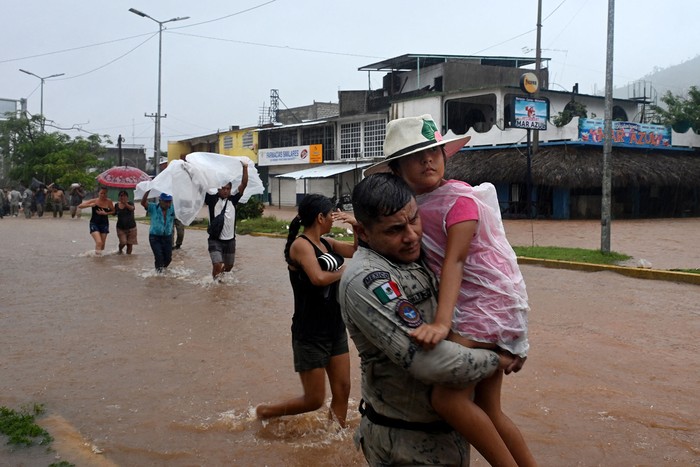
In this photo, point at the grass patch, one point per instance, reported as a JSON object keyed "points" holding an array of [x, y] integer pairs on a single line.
{"points": [[272, 225], [580, 255], [20, 426], [688, 271], [265, 224]]}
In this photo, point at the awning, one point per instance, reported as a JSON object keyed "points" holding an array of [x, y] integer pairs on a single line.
{"points": [[323, 171], [292, 125]]}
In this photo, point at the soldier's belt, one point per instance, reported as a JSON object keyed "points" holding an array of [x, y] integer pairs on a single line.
{"points": [[378, 419]]}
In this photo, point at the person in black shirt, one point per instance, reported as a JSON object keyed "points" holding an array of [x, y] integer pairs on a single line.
{"points": [[319, 340], [222, 247], [126, 224]]}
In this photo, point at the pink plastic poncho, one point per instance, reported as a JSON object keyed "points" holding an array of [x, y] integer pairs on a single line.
{"points": [[492, 306]]}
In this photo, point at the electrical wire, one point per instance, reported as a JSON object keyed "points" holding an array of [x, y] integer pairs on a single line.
{"points": [[260, 44], [110, 62], [224, 17], [72, 49]]}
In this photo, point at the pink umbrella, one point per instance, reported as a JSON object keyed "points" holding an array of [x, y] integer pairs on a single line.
{"points": [[122, 177]]}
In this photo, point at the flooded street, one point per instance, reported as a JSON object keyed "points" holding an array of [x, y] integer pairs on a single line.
{"points": [[136, 368]]}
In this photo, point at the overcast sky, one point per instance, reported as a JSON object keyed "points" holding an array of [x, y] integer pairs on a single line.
{"points": [[220, 64]]}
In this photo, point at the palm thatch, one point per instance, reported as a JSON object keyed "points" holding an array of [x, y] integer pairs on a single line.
{"points": [[577, 166]]}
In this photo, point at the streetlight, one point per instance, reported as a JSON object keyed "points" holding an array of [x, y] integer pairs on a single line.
{"points": [[156, 152], [41, 111]]}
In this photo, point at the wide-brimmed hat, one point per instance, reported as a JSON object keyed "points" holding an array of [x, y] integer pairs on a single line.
{"points": [[405, 136], [166, 197]]}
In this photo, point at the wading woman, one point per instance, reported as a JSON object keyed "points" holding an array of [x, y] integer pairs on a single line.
{"points": [[102, 208], [319, 340]]}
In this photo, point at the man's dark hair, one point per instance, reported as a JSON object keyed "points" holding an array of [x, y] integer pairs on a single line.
{"points": [[381, 194]]}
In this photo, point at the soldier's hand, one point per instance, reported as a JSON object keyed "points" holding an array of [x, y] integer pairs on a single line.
{"points": [[516, 365]]}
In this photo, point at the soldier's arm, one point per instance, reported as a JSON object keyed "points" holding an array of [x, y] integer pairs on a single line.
{"points": [[387, 326]]}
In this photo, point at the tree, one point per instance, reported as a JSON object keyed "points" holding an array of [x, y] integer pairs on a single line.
{"points": [[48, 157], [680, 112], [572, 109]]}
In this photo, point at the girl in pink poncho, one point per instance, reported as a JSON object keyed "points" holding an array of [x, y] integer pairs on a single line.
{"points": [[482, 299]]}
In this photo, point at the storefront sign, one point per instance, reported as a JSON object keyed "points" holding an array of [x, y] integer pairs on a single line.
{"points": [[312, 154], [629, 134], [530, 113], [529, 83]]}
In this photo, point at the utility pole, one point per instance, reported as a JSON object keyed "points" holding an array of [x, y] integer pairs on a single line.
{"points": [[538, 67], [119, 145], [156, 137], [606, 199], [158, 115]]}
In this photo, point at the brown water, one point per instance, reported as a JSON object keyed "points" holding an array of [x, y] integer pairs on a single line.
{"points": [[140, 369]]}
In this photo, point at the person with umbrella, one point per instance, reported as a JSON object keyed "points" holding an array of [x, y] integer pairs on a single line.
{"points": [[102, 208], [126, 223]]}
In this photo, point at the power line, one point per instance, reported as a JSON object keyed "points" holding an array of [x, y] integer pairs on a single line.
{"points": [[227, 16], [72, 49], [110, 62], [260, 44]]}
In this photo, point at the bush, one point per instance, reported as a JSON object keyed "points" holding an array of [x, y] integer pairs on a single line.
{"points": [[253, 209], [572, 109]]}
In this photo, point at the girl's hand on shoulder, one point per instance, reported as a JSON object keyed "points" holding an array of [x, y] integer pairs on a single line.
{"points": [[430, 335]]}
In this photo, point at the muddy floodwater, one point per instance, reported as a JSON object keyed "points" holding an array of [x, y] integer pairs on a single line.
{"points": [[139, 369]]}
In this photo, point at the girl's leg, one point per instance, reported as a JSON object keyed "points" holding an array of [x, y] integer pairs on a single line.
{"points": [[129, 248], [339, 378], [99, 246], [455, 406], [488, 396], [103, 238], [314, 384]]}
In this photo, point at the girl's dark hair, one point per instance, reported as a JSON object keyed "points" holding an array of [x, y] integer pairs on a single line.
{"points": [[310, 207], [123, 192]]}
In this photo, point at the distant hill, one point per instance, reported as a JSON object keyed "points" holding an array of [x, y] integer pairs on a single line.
{"points": [[677, 79]]}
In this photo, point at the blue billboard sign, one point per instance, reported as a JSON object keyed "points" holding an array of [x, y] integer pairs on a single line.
{"points": [[627, 134], [530, 113]]}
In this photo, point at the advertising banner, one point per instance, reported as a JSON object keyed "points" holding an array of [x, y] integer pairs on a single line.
{"points": [[627, 134], [530, 113], [311, 154]]}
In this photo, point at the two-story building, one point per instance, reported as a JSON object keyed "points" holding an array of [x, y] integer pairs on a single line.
{"points": [[323, 147], [655, 170]]}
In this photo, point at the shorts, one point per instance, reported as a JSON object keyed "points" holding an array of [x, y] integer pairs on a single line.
{"points": [[127, 236], [309, 355], [222, 251], [101, 228]]}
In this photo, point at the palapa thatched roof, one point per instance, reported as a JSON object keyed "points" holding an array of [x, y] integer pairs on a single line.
{"points": [[577, 166]]}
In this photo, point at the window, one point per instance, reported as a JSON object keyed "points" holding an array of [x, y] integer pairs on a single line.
{"points": [[247, 140], [375, 131], [228, 142], [321, 134], [350, 140]]}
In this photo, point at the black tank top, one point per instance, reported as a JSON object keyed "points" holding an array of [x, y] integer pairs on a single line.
{"points": [[98, 219], [316, 309]]}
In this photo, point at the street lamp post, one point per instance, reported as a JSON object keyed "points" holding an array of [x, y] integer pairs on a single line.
{"points": [[41, 108], [156, 151]]}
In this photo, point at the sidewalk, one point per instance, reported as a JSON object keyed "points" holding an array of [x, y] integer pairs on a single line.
{"points": [[662, 243]]}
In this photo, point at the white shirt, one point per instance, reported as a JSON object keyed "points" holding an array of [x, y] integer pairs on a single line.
{"points": [[228, 231]]}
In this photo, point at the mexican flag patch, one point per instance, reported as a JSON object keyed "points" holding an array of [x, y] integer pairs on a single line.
{"points": [[387, 292]]}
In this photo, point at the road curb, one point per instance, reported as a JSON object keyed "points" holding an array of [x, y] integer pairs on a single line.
{"points": [[639, 273]]}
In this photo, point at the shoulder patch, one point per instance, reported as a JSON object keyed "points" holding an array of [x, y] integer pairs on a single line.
{"points": [[408, 314], [375, 276], [387, 292]]}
